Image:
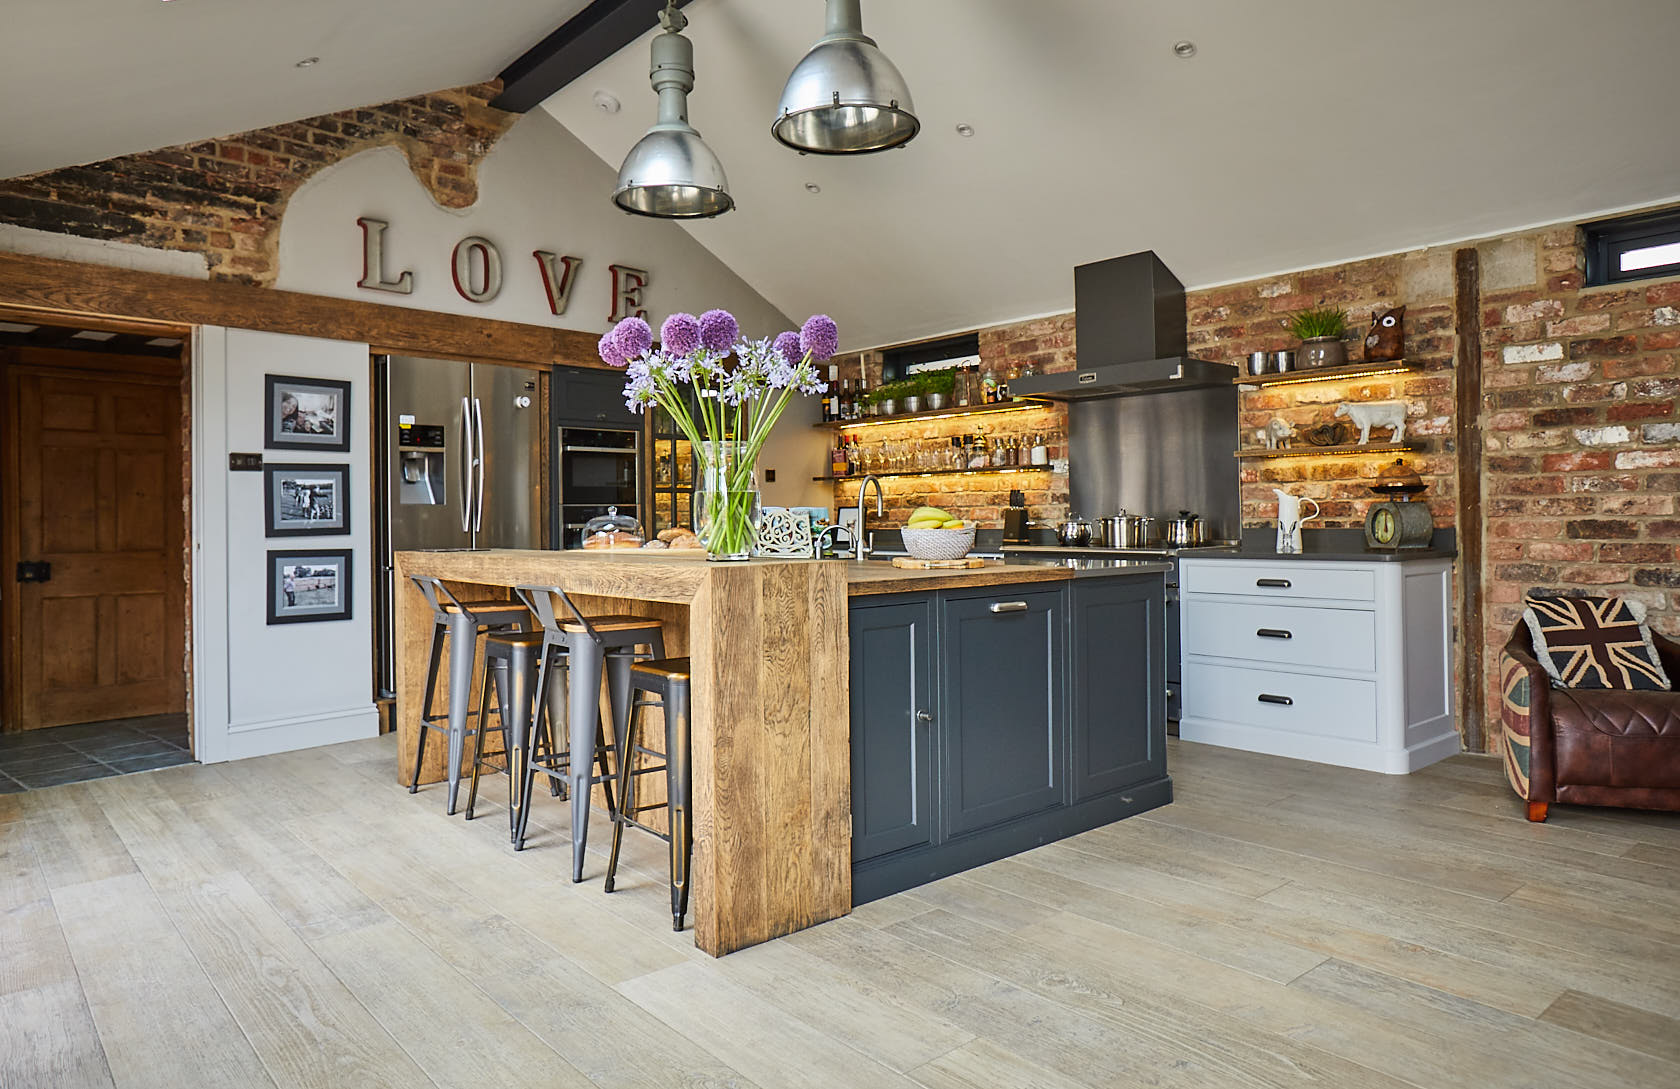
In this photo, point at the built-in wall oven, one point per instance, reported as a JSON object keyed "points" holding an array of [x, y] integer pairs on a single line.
{"points": [[599, 467]]}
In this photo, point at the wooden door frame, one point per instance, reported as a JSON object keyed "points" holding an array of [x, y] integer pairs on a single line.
{"points": [[60, 362]]}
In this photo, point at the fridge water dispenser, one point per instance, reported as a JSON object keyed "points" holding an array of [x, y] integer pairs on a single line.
{"points": [[420, 454]]}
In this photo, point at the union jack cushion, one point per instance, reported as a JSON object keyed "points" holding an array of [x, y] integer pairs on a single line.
{"points": [[1594, 642]]}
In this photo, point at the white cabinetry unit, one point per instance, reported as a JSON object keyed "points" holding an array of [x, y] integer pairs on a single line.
{"points": [[1336, 661]]}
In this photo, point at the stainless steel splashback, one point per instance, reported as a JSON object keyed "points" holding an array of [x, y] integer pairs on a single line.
{"points": [[1157, 454]]}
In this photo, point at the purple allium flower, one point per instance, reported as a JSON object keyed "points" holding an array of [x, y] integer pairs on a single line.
{"points": [[611, 354], [718, 330], [787, 346], [633, 337], [680, 334], [820, 337]]}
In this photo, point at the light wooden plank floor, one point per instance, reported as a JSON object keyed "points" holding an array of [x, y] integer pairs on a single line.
{"points": [[300, 921]]}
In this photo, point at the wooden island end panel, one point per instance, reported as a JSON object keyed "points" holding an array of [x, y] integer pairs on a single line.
{"points": [[772, 779]]}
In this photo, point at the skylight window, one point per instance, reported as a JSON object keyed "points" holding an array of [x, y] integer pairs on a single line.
{"points": [[1642, 247]]}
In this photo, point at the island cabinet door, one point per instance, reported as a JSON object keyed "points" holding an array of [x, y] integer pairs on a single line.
{"points": [[1119, 681], [1003, 730], [892, 711]]}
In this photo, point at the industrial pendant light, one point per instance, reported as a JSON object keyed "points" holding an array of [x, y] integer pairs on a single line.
{"points": [[671, 173], [845, 96]]}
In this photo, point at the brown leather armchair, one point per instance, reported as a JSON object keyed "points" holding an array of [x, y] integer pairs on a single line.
{"points": [[1588, 746]]}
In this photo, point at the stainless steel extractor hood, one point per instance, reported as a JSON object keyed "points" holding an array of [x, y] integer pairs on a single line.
{"points": [[1130, 328]]}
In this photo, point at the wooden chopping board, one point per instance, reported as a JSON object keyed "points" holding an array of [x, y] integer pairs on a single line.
{"points": [[924, 565]]}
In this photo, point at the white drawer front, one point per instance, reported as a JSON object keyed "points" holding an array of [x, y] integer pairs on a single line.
{"points": [[1321, 706], [1290, 635], [1280, 580]]}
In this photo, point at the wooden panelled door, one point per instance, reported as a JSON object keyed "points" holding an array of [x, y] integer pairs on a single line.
{"points": [[95, 610]]}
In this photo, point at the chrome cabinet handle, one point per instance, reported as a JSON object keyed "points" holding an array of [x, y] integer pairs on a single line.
{"points": [[1281, 701], [1282, 584], [1007, 607], [1274, 633], [466, 466], [923, 716]]}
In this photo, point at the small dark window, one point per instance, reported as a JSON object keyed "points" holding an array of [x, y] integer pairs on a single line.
{"points": [[896, 361], [1641, 247]]}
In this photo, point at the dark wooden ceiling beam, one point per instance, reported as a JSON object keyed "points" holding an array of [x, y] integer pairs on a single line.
{"points": [[46, 290], [585, 40]]}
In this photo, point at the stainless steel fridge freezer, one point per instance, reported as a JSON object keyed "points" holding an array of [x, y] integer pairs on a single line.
{"points": [[459, 465]]}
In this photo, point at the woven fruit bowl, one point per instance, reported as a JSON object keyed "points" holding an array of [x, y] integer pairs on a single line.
{"points": [[938, 544]]}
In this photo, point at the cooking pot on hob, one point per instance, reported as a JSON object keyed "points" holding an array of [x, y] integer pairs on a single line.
{"points": [[1186, 531], [1073, 532]]}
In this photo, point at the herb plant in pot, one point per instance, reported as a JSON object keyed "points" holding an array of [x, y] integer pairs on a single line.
{"points": [[1320, 329]]}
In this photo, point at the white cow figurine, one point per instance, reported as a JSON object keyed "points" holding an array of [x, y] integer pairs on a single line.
{"points": [[1390, 414]]}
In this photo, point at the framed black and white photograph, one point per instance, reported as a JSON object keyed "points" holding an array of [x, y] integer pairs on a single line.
{"points": [[306, 500], [306, 586], [306, 413]]}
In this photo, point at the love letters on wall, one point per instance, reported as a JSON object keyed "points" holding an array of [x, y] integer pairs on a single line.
{"points": [[475, 266]]}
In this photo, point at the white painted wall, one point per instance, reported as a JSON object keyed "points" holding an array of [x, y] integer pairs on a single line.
{"points": [[258, 688], [539, 188], [94, 251]]}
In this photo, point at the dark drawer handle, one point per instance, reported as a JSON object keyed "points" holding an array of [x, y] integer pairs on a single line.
{"points": [[1274, 633], [1281, 701], [1282, 584]]}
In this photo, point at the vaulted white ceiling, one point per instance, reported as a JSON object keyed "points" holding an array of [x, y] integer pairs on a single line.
{"points": [[1303, 132], [85, 80]]}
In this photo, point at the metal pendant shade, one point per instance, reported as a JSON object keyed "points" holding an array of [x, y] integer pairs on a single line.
{"points": [[671, 173], [845, 97]]}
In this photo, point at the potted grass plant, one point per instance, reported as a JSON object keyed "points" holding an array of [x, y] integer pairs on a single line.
{"points": [[1320, 330]]}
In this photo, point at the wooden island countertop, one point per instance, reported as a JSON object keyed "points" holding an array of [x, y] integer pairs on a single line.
{"points": [[770, 729]]}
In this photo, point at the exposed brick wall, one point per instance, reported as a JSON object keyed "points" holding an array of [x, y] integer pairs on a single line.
{"points": [[1582, 465], [224, 198], [1227, 323]]}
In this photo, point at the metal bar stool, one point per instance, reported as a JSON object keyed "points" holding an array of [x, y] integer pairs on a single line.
{"points": [[668, 680], [595, 645], [510, 662], [462, 622]]}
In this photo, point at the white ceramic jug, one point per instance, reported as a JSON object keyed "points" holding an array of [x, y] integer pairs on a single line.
{"points": [[1290, 518]]}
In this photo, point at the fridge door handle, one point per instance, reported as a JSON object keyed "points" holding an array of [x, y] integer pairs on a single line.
{"points": [[478, 428], [466, 467]]}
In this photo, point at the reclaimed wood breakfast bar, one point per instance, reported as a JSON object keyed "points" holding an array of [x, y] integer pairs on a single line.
{"points": [[772, 707]]}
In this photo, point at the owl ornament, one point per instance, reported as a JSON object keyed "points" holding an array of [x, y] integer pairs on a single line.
{"points": [[1385, 341]]}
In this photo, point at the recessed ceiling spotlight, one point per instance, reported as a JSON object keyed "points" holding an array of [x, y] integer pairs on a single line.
{"points": [[965, 130], [605, 102], [1184, 50], [812, 187], [307, 62]]}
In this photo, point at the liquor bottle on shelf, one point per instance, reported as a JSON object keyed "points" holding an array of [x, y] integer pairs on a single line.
{"points": [[989, 385], [837, 457], [845, 398], [980, 455], [1040, 451]]}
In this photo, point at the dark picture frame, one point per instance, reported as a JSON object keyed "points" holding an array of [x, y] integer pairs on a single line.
{"points": [[305, 413], [306, 500], [319, 581]]}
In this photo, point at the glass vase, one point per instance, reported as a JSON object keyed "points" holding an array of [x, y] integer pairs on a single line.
{"points": [[727, 504]]}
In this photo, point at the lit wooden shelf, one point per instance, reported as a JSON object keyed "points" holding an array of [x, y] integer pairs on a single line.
{"points": [[1326, 374], [932, 414], [1306, 450], [942, 472]]}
